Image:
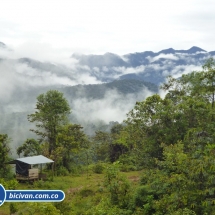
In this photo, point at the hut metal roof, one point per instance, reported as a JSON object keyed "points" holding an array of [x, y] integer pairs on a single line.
{"points": [[39, 159]]}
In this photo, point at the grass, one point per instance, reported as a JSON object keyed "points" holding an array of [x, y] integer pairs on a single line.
{"points": [[81, 192]]}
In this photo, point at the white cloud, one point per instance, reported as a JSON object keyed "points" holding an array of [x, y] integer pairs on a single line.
{"points": [[86, 78], [92, 26], [157, 66], [113, 107], [184, 69], [128, 70], [16, 76], [165, 56]]}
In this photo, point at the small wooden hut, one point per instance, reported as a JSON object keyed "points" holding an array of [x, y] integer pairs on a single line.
{"points": [[24, 170]]}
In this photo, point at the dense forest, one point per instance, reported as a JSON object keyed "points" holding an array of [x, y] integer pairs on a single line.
{"points": [[169, 141]]}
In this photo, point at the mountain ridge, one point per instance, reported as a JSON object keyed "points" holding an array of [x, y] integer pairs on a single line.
{"points": [[99, 88], [146, 66], [155, 65]]}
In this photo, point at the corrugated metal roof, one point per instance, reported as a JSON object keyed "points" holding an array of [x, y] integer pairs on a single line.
{"points": [[39, 159]]}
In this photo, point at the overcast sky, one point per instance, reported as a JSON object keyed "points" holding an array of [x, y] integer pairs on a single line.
{"points": [[99, 26]]}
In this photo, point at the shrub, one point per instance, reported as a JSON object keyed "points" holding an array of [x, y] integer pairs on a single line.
{"points": [[127, 163], [143, 198], [9, 185], [64, 207], [118, 186], [75, 169], [98, 168], [62, 171], [13, 208], [106, 208], [127, 168], [86, 192], [45, 208]]}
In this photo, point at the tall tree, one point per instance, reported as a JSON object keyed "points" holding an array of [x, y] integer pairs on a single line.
{"points": [[71, 139], [52, 111], [4, 155]]}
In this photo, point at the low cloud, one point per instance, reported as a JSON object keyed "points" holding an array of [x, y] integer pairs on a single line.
{"points": [[164, 56], [113, 107], [53, 68], [127, 70], [178, 71], [20, 75]]}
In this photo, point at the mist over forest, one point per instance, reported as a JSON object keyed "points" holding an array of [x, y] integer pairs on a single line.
{"points": [[101, 89]]}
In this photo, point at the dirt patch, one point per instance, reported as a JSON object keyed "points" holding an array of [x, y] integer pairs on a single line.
{"points": [[134, 178], [74, 190]]}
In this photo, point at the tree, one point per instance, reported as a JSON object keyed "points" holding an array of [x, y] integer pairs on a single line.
{"points": [[182, 181], [4, 155], [108, 145], [176, 135], [52, 111], [29, 148], [71, 139], [102, 141], [209, 78], [117, 147], [152, 122], [196, 84]]}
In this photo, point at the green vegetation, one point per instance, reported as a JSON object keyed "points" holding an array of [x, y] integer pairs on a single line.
{"points": [[29, 148], [98, 91], [52, 111], [159, 161], [82, 193], [4, 156]]}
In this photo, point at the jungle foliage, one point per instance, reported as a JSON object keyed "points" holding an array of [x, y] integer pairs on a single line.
{"points": [[170, 139]]}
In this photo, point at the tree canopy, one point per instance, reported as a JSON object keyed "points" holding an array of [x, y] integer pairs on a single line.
{"points": [[52, 111], [170, 138]]}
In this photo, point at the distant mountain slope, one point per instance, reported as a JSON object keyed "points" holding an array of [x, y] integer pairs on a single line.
{"points": [[98, 91], [23, 98], [148, 66], [92, 106], [108, 59], [99, 88]]}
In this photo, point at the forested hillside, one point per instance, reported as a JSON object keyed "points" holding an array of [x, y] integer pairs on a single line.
{"points": [[114, 98], [98, 91], [169, 140], [93, 84]]}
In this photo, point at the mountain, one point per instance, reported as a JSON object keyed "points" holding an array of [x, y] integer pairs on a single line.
{"points": [[99, 91], [108, 59], [148, 66], [100, 88], [192, 50]]}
